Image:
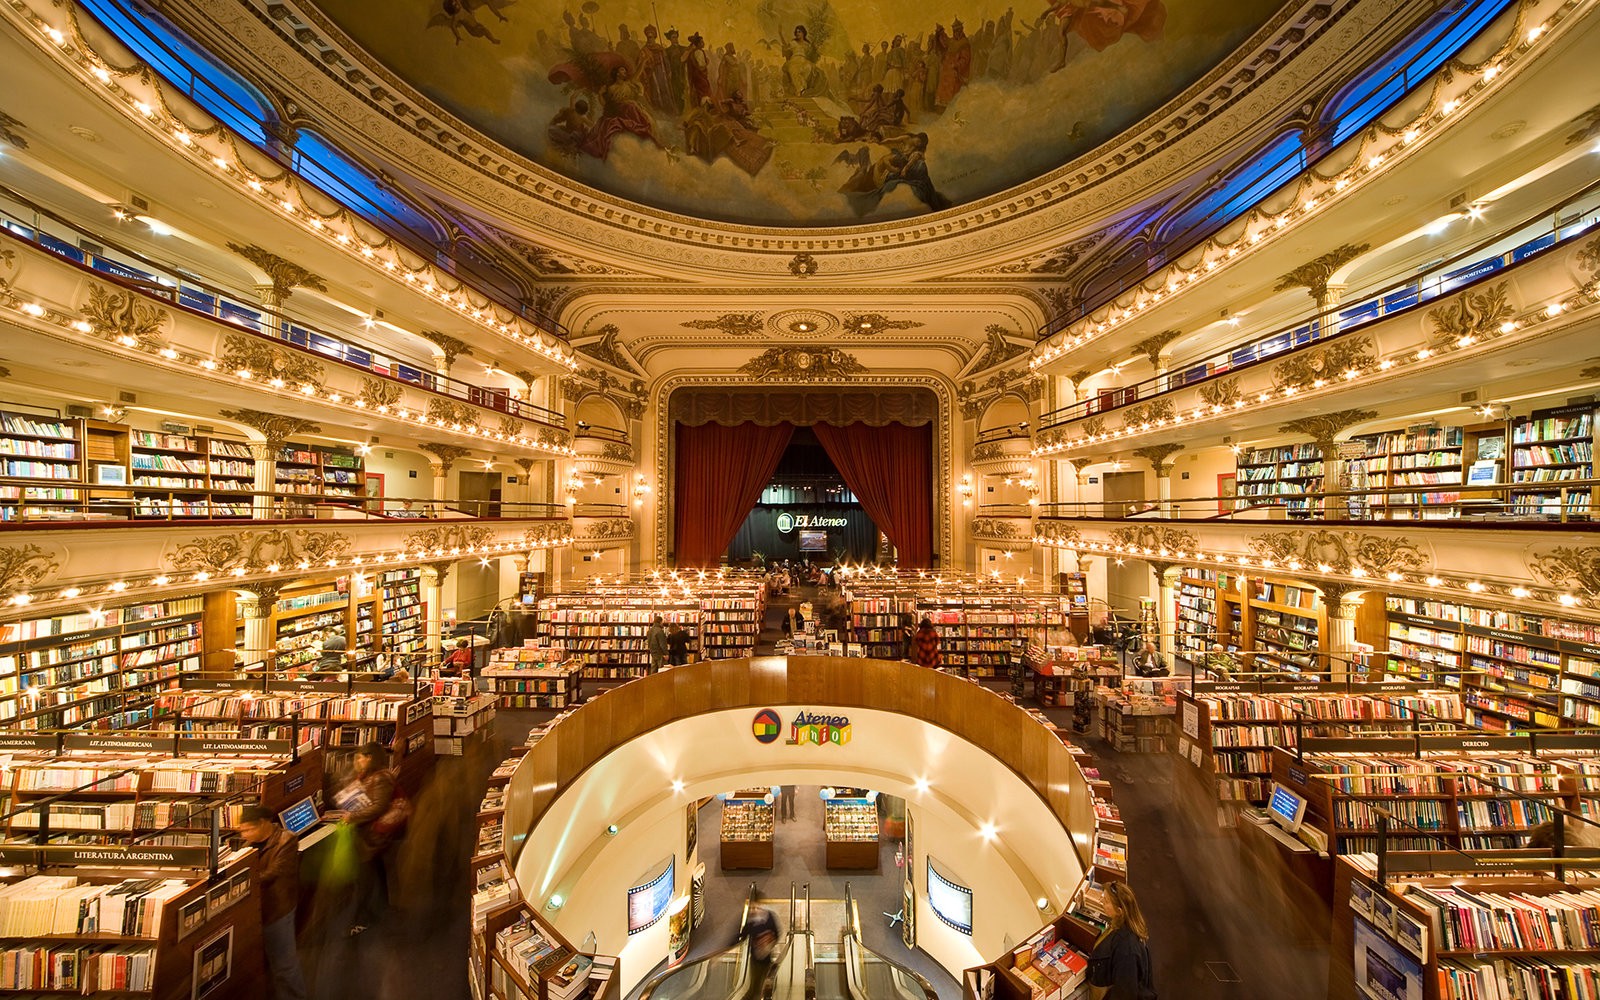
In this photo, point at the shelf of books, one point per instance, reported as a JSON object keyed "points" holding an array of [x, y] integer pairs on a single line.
{"points": [[1286, 622], [96, 669], [1515, 671], [1265, 474], [1432, 459], [1442, 792], [1454, 931], [533, 676], [729, 626], [747, 830], [524, 958], [1551, 446], [232, 469], [605, 633], [1228, 729], [985, 632], [1210, 611], [305, 614], [43, 448], [175, 468], [463, 717], [405, 628], [338, 716], [877, 624]]}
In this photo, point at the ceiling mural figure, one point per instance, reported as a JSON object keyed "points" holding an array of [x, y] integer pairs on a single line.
{"points": [[800, 112]]}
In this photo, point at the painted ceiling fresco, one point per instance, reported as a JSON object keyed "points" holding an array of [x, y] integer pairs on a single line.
{"points": [[800, 112]]}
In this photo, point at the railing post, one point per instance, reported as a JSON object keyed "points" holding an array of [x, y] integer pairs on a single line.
{"points": [[1383, 848]]}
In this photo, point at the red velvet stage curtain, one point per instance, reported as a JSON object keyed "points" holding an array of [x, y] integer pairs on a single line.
{"points": [[890, 470], [721, 472]]}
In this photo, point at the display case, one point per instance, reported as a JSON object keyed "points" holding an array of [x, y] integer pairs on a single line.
{"points": [[747, 823], [533, 676], [850, 831]]}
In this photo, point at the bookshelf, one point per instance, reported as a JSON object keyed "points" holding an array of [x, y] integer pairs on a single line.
{"points": [[533, 677], [232, 469], [1432, 459], [526, 959], [1228, 730], [1550, 446], [1209, 611], [1264, 473], [175, 468], [462, 717], [605, 633], [97, 669], [729, 626], [43, 448], [404, 628], [1515, 671], [850, 832], [1286, 622], [875, 624], [304, 613], [985, 632]]}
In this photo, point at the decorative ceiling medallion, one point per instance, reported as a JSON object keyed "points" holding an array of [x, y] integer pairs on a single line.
{"points": [[802, 364], [812, 324]]}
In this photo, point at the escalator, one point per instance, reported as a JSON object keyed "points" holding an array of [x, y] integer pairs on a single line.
{"points": [[722, 976], [866, 975]]}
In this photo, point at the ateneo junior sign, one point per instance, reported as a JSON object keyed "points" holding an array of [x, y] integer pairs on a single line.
{"points": [[806, 729], [788, 522]]}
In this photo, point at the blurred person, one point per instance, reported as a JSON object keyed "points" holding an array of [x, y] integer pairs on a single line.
{"points": [[365, 803], [678, 645], [1119, 968], [277, 864], [655, 642], [785, 802], [761, 931], [331, 659], [925, 644], [1576, 834]]}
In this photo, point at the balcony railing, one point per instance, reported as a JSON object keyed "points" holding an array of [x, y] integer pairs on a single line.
{"points": [[1550, 229], [1006, 433], [72, 503], [616, 434], [601, 510], [23, 220], [1493, 504]]}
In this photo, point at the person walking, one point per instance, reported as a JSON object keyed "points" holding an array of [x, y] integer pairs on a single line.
{"points": [[785, 802], [1119, 968], [277, 863], [369, 795], [761, 931], [655, 642], [925, 646], [678, 645]]}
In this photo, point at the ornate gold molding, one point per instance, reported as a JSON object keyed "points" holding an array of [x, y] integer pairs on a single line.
{"points": [[448, 539], [275, 428], [1314, 274], [608, 350], [1352, 553], [996, 349], [1152, 346], [867, 324], [450, 347], [451, 411], [1141, 415], [799, 364], [445, 455], [263, 358], [9, 133], [124, 317], [23, 567], [1325, 364], [285, 274], [1158, 455], [1471, 314], [378, 393], [732, 324], [608, 529], [254, 551], [547, 534], [1219, 392], [1569, 567], [1322, 428]]}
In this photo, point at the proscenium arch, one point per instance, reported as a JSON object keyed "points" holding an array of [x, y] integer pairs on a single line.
{"points": [[1027, 783]]}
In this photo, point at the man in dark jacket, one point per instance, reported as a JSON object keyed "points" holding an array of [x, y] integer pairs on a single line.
{"points": [[678, 646], [278, 877], [655, 642]]}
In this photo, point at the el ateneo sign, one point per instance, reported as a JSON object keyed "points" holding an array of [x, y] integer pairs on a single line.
{"points": [[805, 729], [788, 522]]}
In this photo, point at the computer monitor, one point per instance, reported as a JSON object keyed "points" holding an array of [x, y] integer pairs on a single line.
{"points": [[1286, 808], [301, 816]]}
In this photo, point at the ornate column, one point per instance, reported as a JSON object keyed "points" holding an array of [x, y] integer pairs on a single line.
{"points": [[1342, 603], [1167, 610], [285, 276], [1314, 276], [433, 577], [449, 348], [1154, 348], [1324, 429], [275, 430], [255, 607], [445, 457], [1159, 456]]}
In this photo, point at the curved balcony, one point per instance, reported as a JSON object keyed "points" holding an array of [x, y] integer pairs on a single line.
{"points": [[1529, 284], [1003, 451], [602, 451], [1003, 526], [599, 526]]}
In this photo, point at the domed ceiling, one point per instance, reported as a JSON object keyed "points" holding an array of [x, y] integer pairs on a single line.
{"points": [[800, 112]]}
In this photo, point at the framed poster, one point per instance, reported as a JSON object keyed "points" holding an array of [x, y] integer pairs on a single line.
{"points": [[648, 901], [1227, 489], [213, 964], [691, 835], [107, 474]]}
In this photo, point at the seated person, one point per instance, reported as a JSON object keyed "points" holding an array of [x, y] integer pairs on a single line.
{"points": [[1148, 663]]}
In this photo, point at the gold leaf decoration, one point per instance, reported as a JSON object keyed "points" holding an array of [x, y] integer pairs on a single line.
{"points": [[122, 316], [1471, 314], [267, 360]]}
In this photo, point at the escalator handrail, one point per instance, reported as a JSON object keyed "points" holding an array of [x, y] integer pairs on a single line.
{"points": [[742, 959]]}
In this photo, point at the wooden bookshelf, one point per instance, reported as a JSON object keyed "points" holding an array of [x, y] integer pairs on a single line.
{"points": [[1285, 621], [1550, 446], [96, 669], [43, 448], [533, 677], [986, 633], [729, 626], [1210, 610], [1265, 473], [404, 614]]}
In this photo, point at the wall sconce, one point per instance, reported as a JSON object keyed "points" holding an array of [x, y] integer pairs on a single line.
{"points": [[965, 489], [641, 489]]}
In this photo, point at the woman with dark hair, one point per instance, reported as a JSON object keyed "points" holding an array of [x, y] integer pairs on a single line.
{"points": [[1119, 968]]}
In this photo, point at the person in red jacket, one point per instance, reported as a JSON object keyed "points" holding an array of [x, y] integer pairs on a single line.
{"points": [[278, 875], [925, 645]]}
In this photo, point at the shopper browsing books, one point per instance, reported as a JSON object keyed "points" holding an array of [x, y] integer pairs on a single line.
{"points": [[1119, 968], [655, 642], [331, 659], [925, 646], [458, 660], [278, 875], [364, 805], [678, 646]]}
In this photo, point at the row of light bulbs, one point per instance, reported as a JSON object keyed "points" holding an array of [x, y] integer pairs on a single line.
{"points": [[286, 194], [1271, 397], [400, 558], [1314, 193], [305, 390], [1475, 587]]}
